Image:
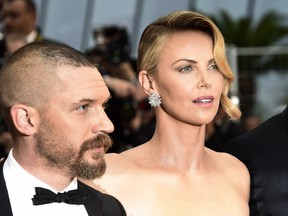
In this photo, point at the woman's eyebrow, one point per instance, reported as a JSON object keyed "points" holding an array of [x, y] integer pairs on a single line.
{"points": [[211, 61], [187, 60]]}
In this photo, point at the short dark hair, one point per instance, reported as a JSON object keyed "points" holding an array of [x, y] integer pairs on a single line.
{"points": [[54, 53], [28, 74]]}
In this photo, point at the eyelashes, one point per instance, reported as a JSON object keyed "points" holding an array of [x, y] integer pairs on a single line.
{"points": [[188, 68]]}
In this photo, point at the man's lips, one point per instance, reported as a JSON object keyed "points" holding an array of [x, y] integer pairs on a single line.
{"points": [[97, 149]]}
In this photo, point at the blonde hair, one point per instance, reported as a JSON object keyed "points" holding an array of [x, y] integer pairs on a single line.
{"points": [[156, 34]]}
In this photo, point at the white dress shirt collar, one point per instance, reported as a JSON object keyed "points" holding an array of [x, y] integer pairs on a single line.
{"points": [[21, 188], [31, 37]]}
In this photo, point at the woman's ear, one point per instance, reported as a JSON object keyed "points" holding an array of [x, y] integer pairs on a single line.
{"points": [[145, 81], [25, 119]]}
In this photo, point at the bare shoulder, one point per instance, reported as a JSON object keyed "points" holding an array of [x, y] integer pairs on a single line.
{"points": [[126, 159], [234, 165], [233, 169], [117, 162], [122, 173], [116, 167], [230, 163]]}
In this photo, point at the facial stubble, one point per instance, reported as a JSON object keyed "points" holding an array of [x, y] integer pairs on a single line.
{"points": [[95, 169], [60, 152]]}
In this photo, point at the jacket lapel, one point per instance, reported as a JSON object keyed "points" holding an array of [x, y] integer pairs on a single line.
{"points": [[5, 207], [94, 205], [101, 204], [284, 116]]}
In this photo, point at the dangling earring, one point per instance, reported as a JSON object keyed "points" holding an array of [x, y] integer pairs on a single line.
{"points": [[154, 99]]}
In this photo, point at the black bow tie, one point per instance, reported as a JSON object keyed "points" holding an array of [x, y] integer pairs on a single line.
{"points": [[44, 196]]}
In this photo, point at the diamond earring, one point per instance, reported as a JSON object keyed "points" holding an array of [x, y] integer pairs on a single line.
{"points": [[154, 99]]}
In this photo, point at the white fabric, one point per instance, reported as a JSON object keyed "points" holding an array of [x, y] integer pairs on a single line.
{"points": [[31, 37], [21, 188]]}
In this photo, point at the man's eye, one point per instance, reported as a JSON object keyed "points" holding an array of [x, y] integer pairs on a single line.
{"points": [[82, 108]]}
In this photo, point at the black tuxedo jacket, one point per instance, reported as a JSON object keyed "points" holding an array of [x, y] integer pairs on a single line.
{"points": [[264, 151], [99, 204]]}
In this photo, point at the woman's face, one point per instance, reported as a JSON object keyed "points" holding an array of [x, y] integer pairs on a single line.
{"points": [[188, 79]]}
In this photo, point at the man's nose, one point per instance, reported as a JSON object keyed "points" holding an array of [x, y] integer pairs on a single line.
{"points": [[103, 124]]}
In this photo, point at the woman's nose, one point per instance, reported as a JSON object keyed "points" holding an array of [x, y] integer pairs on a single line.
{"points": [[204, 80]]}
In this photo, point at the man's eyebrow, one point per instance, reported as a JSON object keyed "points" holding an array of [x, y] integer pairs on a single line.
{"points": [[87, 100], [84, 100]]}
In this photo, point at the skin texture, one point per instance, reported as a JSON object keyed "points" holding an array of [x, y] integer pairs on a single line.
{"points": [[53, 101], [173, 173], [69, 109], [42, 139]]}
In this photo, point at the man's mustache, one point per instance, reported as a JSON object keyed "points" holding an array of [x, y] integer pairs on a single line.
{"points": [[100, 140]]}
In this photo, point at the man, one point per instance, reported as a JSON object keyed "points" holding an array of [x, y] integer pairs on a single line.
{"points": [[264, 150], [19, 25], [18, 28], [53, 100]]}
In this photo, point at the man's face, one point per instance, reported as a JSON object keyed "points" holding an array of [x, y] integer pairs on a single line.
{"points": [[73, 133], [17, 19]]}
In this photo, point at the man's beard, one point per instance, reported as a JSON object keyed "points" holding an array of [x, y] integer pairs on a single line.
{"points": [[62, 153], [82, 168]]}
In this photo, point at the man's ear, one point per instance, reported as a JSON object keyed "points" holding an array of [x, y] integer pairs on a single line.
{"points": [[145, 81], [25, 119]]}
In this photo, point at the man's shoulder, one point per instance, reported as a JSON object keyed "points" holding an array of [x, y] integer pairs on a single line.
{"points": [[94, 192], [101, 202], [260, 133], [268, 136], [5, 207]]}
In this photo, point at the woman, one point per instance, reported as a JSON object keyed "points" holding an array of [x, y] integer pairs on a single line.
{"points": [[183, 68]]}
